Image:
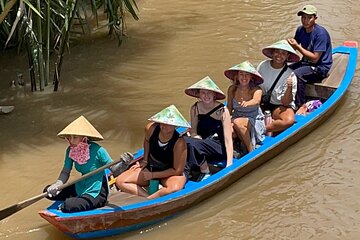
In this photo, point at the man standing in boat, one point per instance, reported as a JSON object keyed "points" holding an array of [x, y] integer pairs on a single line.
{"points": [[314, 43]]}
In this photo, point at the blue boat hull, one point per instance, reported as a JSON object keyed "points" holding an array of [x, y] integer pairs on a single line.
{"points": [[119, 219]]}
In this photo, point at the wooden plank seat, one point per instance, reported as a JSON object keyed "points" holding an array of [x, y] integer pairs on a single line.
{"points": [[328, 86]]}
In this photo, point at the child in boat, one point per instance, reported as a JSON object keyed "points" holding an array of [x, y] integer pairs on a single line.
{"points": [[164, 157], [86, 156], [280, 85], [244, 96], [211, 139]]}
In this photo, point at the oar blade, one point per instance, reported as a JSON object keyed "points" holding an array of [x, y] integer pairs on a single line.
{"points": [[6, 212]]}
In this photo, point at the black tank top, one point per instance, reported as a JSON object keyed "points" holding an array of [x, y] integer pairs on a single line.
{"points": [[207, 126], [161, 157]]}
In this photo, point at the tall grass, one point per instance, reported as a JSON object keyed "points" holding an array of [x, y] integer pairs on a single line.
{"points": [[42, 28]]}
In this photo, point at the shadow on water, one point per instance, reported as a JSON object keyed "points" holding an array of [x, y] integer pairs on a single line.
{"points": [[99, 80]]}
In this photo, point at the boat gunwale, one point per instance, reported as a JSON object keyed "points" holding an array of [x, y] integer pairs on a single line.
{"points": [[226, 175]]}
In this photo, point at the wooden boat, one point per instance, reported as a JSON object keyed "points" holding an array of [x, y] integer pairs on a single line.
{"points": [[6, 109], [125, 212]]}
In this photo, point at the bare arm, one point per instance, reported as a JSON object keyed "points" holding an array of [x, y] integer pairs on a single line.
{"points": [[227, 126], [194, 121], [149, 129], [255, 101], [288, 96], [230, 97], [180, 154], [312, 56]]}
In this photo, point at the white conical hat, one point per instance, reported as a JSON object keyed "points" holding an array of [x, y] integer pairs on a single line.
{"points": [[246, 66], [81, 127], [282, 45], [170, 116], [208, 84]]}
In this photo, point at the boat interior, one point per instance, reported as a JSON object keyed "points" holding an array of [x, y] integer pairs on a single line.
{"points": [[328, 86], [320, 91]]}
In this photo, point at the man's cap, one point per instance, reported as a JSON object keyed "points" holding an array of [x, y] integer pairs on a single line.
{"points": [[308, 9]]}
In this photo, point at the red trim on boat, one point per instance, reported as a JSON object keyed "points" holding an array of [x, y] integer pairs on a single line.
{"points": [[351, 44]]}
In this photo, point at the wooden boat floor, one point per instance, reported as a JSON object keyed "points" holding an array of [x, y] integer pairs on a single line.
{"points": [[328, 86], [117, 199]]}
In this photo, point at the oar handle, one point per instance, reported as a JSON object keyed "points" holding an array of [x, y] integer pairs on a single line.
{"points": [[100, 169], [6, 212]]}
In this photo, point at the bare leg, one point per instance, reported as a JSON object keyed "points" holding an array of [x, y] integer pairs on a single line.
{"points": [[302, 110], [283, 117], [131, 181], [242, 129], [233, 132], [170, 185]]}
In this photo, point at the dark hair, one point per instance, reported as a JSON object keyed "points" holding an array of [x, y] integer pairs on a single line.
{"points": [[252, 83]]}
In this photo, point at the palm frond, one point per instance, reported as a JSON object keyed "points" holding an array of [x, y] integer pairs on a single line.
{"points": [[19, 14], [6, 9], [129, 5], [26, 23], [32, 7]]}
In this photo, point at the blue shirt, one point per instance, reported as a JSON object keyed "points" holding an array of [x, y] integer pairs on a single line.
{"points": [[98, 158], [318, 40]]}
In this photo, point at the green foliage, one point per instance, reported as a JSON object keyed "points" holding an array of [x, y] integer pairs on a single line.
{"points": [[44, 27]]}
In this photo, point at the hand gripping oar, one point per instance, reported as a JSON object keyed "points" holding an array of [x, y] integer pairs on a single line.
{"points": [[6, 212]]}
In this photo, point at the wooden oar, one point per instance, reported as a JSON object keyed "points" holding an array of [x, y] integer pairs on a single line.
{"points": [[6, 212]]}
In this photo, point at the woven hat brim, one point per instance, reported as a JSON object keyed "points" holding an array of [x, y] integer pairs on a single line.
{"points": [[257, 80], [171, 123], [81, 127], [194, 92], [170, 116], [291, 58]]}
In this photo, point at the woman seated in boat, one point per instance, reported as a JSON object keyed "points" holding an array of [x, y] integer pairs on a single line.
{"points": [[164, 157], [244, 96], [211, 130], [86, 156], [279, 87]]}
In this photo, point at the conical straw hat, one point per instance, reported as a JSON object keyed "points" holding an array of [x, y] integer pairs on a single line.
{"points": [[282, 45], [81, 127], [170, 116], [207, 84], [244, 67]]}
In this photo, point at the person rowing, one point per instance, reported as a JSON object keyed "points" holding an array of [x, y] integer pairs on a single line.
{"points": [[86, 156]]}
